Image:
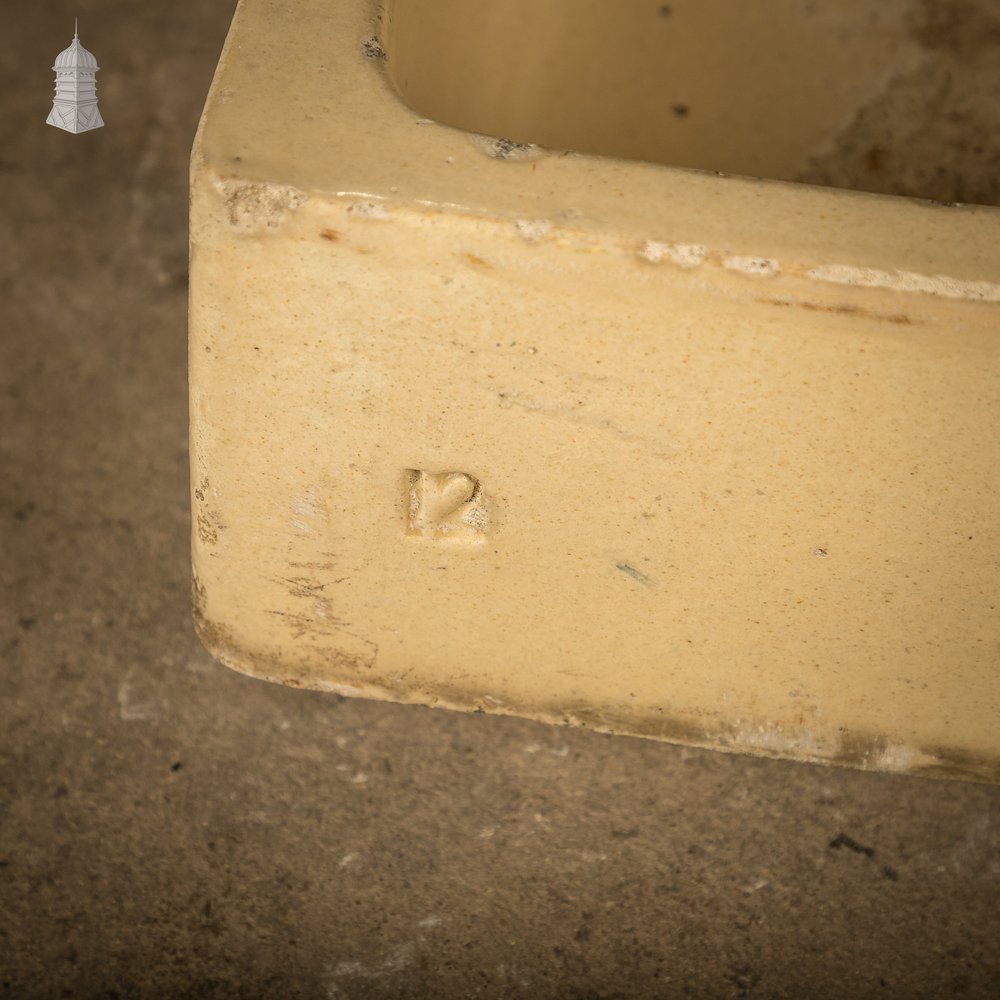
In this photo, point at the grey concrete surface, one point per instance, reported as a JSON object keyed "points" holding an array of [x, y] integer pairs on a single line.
{"points": [[169, 828]]}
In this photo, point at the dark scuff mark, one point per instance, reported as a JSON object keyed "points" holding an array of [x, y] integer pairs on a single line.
{"points": [[306, 586], [860, 750], [209, 525], [841, 309], [634, 574], [955, 762], [316, 663], [215, 637]]}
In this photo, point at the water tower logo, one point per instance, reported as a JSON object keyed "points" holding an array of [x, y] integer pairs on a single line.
{"points": [[75, 106]]}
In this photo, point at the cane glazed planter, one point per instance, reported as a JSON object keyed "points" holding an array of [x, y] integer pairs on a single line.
{"points": [[504, 398]]}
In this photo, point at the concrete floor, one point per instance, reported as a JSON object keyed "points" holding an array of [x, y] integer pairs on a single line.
{"points": [[169, 828]]}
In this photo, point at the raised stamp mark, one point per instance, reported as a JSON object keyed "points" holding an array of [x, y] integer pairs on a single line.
{"points": [[445, 506]]}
